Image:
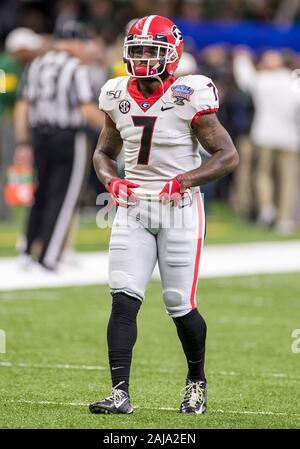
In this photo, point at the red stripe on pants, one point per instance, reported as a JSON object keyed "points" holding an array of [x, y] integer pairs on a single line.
{"points": [[198, 253]]}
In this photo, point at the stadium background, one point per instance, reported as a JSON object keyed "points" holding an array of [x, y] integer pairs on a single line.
{"points": [[55, 359]]}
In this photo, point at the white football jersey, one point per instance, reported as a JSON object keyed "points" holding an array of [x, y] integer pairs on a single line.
{"points": [[157, 132]]}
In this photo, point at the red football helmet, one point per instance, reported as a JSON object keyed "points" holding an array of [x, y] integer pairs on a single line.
{"points": [[152, 46]]}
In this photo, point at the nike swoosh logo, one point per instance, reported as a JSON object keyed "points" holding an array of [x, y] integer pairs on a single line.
{"points": [[166, 108], [118, 404], [117, 367]]}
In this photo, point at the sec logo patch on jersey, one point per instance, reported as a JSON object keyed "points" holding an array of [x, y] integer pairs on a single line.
{"points": [[124, 106]]}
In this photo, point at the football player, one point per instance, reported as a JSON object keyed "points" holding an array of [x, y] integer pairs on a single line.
{"points": [[161, 122]]}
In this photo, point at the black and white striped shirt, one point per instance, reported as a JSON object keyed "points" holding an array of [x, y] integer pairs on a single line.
{"points": [[55, 85]]}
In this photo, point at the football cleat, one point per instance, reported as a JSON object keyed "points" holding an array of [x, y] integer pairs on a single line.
{"points": [[118, 402], [194, 398]]}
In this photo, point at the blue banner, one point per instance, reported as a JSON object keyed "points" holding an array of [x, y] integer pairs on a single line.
{"points": [[257, 35]]}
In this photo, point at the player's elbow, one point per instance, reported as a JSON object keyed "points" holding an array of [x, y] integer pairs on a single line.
{"points": [[96, 155], [232, 159], [100, 158]]}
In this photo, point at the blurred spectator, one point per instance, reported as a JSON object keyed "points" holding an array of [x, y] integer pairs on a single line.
{"points": [[142, 7], [260, 9], [56, 102], [275, 133], [216, 64], [102, 19], [9, 14], [231, 10], [21, 46], [109, 16], [191, 9], [236, 115], [238, 110], [67, 11], [165, 8], [33, 16], [287, 11], [187, 65]]}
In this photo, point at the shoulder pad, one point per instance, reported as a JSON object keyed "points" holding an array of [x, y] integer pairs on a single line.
{"points": [[111, 93], [198, 93], [206, 94]]}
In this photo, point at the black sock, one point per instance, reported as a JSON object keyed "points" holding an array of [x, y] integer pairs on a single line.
{"points": [[121, 337], [191, 330]]}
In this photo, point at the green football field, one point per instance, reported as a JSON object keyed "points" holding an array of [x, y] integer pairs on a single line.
{"points": [[55, 361]]}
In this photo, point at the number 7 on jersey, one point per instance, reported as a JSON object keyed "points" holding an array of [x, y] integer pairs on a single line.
{"points": [[148, 124]]}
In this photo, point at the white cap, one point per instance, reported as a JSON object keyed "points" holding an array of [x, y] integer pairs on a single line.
{"points": [[23, 39], [187, 65]]}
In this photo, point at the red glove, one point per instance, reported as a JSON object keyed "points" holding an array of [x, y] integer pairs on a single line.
{"points": [[121, 192], [173, 191]]}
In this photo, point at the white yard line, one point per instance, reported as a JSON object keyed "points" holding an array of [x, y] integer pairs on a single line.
{"points": [[27, 401], [50, 366], [171, 409], [218, 261], [250, 412], [8, 364]]}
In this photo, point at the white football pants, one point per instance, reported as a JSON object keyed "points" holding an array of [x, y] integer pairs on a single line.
{"points": [[150, 232]]}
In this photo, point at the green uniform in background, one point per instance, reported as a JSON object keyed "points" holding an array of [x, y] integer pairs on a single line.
{"points": [[11, 71]]}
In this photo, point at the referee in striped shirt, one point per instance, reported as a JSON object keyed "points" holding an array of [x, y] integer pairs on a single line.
{"points": [[56, 102]]}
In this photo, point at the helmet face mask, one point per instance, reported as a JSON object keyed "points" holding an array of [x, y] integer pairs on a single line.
{"points": [[146, 59], [152, 50]]}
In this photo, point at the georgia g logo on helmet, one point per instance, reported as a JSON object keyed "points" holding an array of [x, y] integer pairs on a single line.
{"points": [[152, 47], [177, 34]]}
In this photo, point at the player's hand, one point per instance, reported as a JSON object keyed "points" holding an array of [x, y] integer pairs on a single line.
{"points": [[120, 189], [173, 191]]}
